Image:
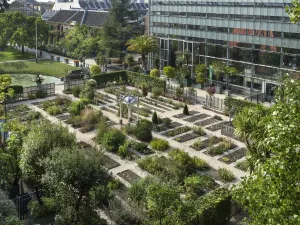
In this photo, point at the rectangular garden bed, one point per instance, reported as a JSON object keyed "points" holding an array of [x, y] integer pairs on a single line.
{"points": [[216, 126], [109, 163], [197, 117], [160, 128], [207, 122], [213, 173], [186, 137], [181, 115], [129, 176], [233, 156], [87, 129], [160, 105], [219, 149], [177, 131], [151, 107], [84, 145], [199, 145], [63, 116]]}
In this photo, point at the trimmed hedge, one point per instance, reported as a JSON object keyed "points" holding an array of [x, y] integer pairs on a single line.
{"points": [[131, 78], [18, 89], [238, 104]]}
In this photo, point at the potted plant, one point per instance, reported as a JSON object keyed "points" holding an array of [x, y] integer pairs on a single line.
{"points": [[38, 79]]}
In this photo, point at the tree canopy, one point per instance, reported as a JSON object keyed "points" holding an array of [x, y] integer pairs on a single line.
{"points": [[271, 193], [294, 11]]}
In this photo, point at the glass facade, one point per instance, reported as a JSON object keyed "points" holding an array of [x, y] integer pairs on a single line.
{"points": [[254, 36]]}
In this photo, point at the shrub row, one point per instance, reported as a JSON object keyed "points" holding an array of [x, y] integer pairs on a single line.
{"points": [[237, 104]]}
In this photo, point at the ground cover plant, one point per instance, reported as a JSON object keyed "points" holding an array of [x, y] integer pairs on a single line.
{"points": [[44, 67], [56, 106], [219, 149], [201, 144], [159, 144], [226, 175], [233, 156], [177, 131]]}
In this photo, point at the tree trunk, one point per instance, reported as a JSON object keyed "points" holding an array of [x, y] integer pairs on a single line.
{"points": [[144, 62], [22, 49]]}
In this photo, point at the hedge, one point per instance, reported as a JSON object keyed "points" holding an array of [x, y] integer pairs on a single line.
{"points": [[238, 104], [213, 208], [18, 89], [131, 78]]}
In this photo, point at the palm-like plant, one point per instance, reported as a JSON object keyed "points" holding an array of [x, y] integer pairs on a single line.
{"points": [[143, 45], [129, 60]]}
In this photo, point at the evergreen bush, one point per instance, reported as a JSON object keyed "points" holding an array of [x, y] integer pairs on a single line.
{"points": [[185, 110]]}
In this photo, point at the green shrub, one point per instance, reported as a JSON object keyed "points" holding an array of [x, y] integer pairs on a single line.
{"points": [[112, 139], [77, 106], [101, 129], [144, 90], [139, 146], [129, 129], [54, 110], [177, 131], [199, 130], [217, 117], [185, 110], [95, 70], [76, 91], [41, 94], [156, 92], [200, 164], [31, 96], [88, 92], [74, 120], [169, 71], [226, 175], [33, 115], [90, 116], [166, 122], [49, 207], [159, 144], [237, 104], [155, 73], [143, 130], [123, 151], [154, 118], [242, 165], [197, 185]]}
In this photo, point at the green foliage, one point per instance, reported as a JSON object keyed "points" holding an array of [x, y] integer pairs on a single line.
{"points": [[231, 71], [88, 92], [155, 73], [218, 67], [169, 71], [197, 185], [179, 92], [199, 130], [49, 207], [112, 139], [159, 144], [7, 207], [101, 129], [18, 89], [294, 11], [242, 165], [39, 142], [129, 60], [185, 110], [123, 150], [226, 175], [95, 70], [178, 130], [77, 106], [139, 147], [76, 91], [156, 92], [154, 118], [237, 104], [54, 110], [103, 79], [143, 130], [144, 90], [201, 73], [271, 194]]}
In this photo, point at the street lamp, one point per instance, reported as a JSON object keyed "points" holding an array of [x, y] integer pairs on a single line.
{"points": [[36, 42]]}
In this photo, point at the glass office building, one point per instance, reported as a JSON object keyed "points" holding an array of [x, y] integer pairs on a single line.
{"points": [[255, 36]]}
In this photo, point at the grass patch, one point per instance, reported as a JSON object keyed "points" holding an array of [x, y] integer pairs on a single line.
{"points": [[10, 54], [44, 67]]}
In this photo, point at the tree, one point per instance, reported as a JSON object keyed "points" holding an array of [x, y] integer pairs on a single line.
{"points": [[294, 11], [102, 61], [271, 193], [95, 70], [129, 60], [185, 110], [169, 71], [182, 62], [38, 143], [3, 5], [218, 67], [230, 72], [155, 73], [72, 174], [201, 73], [8, 215], [154, 118], [143, 45]]}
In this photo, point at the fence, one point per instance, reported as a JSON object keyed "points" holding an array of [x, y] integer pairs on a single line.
{"points": [[69, 84], [215, 103], [48, 89], [22, 202], [173, 91]]}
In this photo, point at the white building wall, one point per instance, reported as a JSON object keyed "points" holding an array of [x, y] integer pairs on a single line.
{"points": [[66, 5]]}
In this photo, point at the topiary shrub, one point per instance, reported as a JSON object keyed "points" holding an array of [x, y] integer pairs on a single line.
{"points": [[185, 110], [95, 70], [76, 91], [154, 118], [155, 73], [169, 71], [113, 139], [88, 92], [143, 130], [159, 144], [226, 175]]}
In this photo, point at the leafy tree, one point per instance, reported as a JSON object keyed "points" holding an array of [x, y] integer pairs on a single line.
{"points": [[169, 71], [271, 193], [201, 73], [143, 45], [129, 60], [95, 70], [3, 5], [113, 139], [294, 11], [102, 61], [155, 73], [218, 67], [38, 143], [88, 91], [71, 174], [230, 72]]}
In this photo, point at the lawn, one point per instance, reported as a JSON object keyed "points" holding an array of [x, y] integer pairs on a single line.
{"points": [[44, 67], [10, 54]]}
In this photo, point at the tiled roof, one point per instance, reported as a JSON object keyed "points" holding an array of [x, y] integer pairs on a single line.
{"points": [[48, 14], [105, 6], [95, 19], [62, 15]]}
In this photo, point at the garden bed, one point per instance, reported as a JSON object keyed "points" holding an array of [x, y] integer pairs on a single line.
{"points": [[87, 129], [197, 117], [129, 176], [84, 145], [207, 122], [219, 149], [216, 126], [177, 131], [109, 163], [162, 127], [63, 117], [151, 107], [154, 103], [181, 115], [186, 137], [199, 145], [233, 156], [213, 173]]}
